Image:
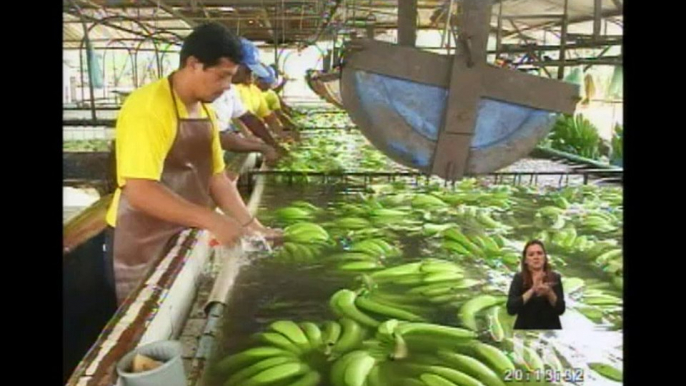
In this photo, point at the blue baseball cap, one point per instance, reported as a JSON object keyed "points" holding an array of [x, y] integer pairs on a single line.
{"points": [[271, 79], [251, 58]]}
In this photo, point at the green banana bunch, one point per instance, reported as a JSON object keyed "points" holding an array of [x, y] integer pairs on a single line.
{"points": [[427, 201], [467, 313], [472, 367], [257, 368], [488, 245], [293, 332], [351, 337], [529, 360], [561, 202], [614, 267], [443, 376], [429, 271], [342, 303], [599, 248], [394, 199], [410, 286], [604, 258], [403, 339], [484, 218], [352, 223], [304, 205], [475, 365], [607, 371], [567, 239], [249, 357], [495, 327], [581, 244], [367, 303], [597, 222], [352, 369], [353, 256], [443, 288], [458, 237], [275, 375], [429, 229], [295, 252], [600, 300], [555, 221], [286, 357], [407, 302], [490, 356], [314, 335], [593, 314], [383, 214], [331, 332], [359, 266], [304, 232], [572, 284], [293, 214], [346, 209], [432, 354], [375, 247]]}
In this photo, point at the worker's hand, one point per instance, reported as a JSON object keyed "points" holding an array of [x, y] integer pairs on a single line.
{"points": [[271, 234], [271, 156], [282, 151], [226, 230], [293, 133]]}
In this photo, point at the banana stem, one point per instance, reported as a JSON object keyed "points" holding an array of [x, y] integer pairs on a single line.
{"points": [[400, 351]]}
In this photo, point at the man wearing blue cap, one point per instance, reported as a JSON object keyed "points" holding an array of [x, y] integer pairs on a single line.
{"points": [[267, 84], [250, 94], [237, 142]]}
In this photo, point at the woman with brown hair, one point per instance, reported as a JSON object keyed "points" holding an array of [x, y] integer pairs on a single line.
{"points": [[536, 294]]}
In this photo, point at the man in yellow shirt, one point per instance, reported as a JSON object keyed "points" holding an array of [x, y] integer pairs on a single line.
{"points": [[170, 170], [250, 94], [266, 85]]}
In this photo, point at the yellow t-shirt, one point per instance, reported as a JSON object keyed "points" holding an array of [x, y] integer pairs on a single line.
{"points": [[145, 132], [253, 100], [272, 100]]}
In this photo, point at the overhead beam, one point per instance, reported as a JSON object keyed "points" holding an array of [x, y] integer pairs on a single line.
{"points": [[570, 21], [540, 16], [141, 18], [606, 60], [124, 29], [161, 4], [516, 49]]}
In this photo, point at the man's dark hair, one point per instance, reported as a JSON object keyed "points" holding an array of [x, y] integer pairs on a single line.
{"points": [[210, 42]]}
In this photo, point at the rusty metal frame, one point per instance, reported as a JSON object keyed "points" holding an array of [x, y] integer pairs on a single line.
{"points": [[104, 61], [88, 64], [147, 35]]}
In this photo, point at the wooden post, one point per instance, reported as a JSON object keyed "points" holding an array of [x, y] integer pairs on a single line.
{"points": [[499, 33], [563, 42], [597, 18], [407, 22]]}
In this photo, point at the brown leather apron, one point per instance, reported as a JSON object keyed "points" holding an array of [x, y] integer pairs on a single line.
{"points": [[141, 240]]}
